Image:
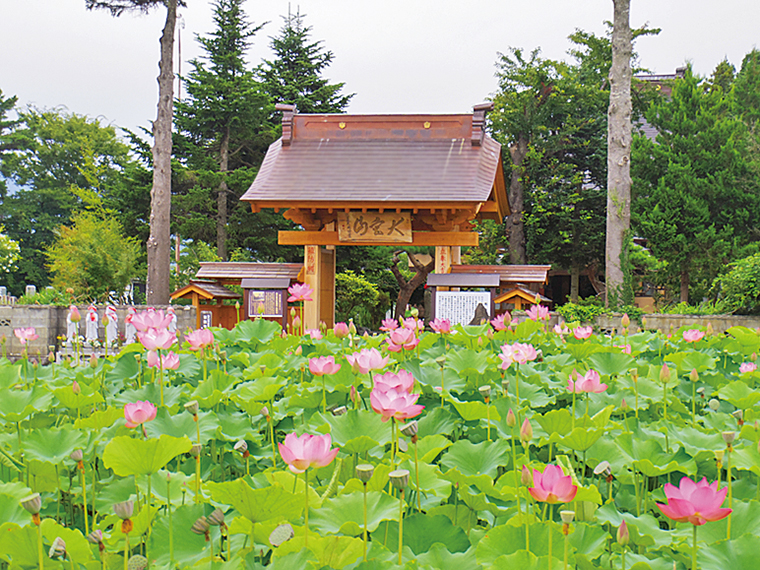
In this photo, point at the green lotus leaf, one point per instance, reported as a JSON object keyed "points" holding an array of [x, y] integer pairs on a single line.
{"points": [[475, 410], [19, 544], [467, 361], [434, 487], [507, 539], [330, 551], [437, 421], [188, 546], [288, 480], [53, 445], [522, 559], [151, 393], [101, 419], [183, 424], [11, 510], [254, 333], [176, 483], [473, 461], [737, 554], [437, 556], [130, 456], [68, 399], [430, 376], [555, 422], [581, 439], [260, 390], [688, 361], [581, 351], [611, 363], [236, 426], [356, 431], [115, 490], [126, 367], [18, 405], [740, 395], [345, 514], [77, 548], [421, 531], [257, 505], [211, 391], [378, 481], [429, 447], [473, 331], [644, 530]]}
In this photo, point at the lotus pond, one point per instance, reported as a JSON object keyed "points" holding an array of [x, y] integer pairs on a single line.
{"points": [[469, 448]]}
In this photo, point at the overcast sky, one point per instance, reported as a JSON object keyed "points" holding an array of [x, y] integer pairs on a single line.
{"points": [[398, 56]]}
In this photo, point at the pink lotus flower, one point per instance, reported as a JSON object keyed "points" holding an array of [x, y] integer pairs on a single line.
{"points": [[200, 339], [151, 319], [402, 339], [552, 486], [139, 413], [414, 324], [306, 451], [402, 381], [501, 322], [313, 334], [151, 359], [624, 347], [538, 312], [300, 292], [693, 502], [26, 334], [582, 333], [394, 404], [323, 365], [389, 325], [517, 352], [367, 359], [693, 335], [562, 329], [340, 330], [155, 339], [747, 367], [74, 315], [441, 326], [170, 361], [589, 382]]}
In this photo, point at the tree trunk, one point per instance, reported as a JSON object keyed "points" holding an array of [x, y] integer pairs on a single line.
{"points": [[159, 243], [407, 288], [221, 198], [515, 224], [575, 274], [684, 286], [618, 152]]}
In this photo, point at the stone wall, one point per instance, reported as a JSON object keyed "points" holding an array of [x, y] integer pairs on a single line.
{"points": [[50, 323]]}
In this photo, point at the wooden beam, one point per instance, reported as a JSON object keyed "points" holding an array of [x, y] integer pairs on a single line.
{"points": [[418, 239]]}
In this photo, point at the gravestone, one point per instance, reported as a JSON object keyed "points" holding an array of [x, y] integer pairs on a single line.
{"points": [[30, 290]]}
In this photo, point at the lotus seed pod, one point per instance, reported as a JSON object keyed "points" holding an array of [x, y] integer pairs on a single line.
{"points": [[95, 537], [32, 504], [364, 472], [441, 360], [410, 429], [58, 548], [738, 414], [137, 562], [124, 510], [567, 516], [399, 478], [216, 517], [281, 535], [200, 526], [505, 386], [339, 411], [485, 391], [264, 412], [76, 388], [714, 404], [196, 449], [76, 455], [602, 467], [511, 418], [701, 391], [192, 407], [623, 537], [728, 437], [694, 375], [625, 322], [719, 455], [241, 446]]}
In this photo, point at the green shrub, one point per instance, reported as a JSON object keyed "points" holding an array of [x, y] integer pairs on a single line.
{"points": [[358, 299], [47, 297], [573, 312], [739, 289]]}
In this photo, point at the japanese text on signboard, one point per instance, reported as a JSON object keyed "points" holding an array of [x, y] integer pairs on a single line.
{"points": [[375, 227]]}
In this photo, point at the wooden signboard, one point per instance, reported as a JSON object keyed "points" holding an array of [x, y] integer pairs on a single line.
{"points": [[375, 227], [270, 299]]}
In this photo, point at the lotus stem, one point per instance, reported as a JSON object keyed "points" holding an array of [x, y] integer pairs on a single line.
{"points": [[306, 511], [488, 419], [694, 403], [517, 480], [417, 477], [126, 549], [40, 558], [324, 396], [393, 443], [694, 547], [400, 526], [730, 491], [573, 420], [549, 523], [171, 528], [84, 499], [365, 521], [623, 555], [270, 421], [442, 386], [198, 479]]}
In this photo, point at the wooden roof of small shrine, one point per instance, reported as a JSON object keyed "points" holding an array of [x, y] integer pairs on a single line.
{"points": [[234, 272], [205, 290], [437, 163], [526, 294], [509, 273]]}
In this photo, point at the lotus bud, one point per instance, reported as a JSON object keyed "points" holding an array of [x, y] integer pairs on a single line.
{"points": [[664, 374], [480, 342], [51, 356], [351, 327], [58, 548], [95, 537], [216, 517], [525, 477], [603, 467], [694, 375], [352, 393], [299, 350], [105, 320], [365, 336], [567, 516], [137, 562], [410, 429], [758, 446], [714, 404], [339, 411], [728, 437], [710, 330], [297, 322], [625, 322], [93, 360], [364, 472], [76, 388], [192, 407], [489, 334], [293, 313], [526, 431], [340, 330], [32, 504], [237, 305], [624, 405], [505, 386], [200, 526], [260, 309], [623, 537], [485, 391], [196, 449], [76, 455], [281, 535], [124, 510], [322, 327], [511, 418], [644, 322], [399, 478]]}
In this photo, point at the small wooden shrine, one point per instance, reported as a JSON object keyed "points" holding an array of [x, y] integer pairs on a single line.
{"points": [[399, 180]]}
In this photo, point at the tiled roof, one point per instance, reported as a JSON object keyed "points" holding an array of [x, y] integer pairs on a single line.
{"points": [[208, 289], [509, 273], [246, 270], [379, 158]]}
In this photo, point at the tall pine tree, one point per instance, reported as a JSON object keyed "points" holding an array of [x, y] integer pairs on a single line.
{"points": [[223, 117], [294, 76]]}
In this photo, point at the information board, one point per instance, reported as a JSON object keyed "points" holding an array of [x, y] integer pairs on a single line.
{"points": [[459, 306], [271, 299]]}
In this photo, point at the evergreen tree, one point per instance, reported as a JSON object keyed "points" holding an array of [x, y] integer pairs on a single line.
{"points": [[223, 118], [294, 76], [8, 140], [695, 200], [747, 89]]}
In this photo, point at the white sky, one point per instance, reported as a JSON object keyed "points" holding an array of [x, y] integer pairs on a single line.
{"points": [[434, 56]]}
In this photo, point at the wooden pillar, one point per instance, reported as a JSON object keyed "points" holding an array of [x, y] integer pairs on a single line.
{"points": [[312, 277], [442, 262]]}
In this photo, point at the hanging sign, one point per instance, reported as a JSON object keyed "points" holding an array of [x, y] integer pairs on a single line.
{"points": [[375, 227]]}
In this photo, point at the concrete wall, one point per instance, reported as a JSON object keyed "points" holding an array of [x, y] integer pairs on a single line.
{"points": [[50, 323]]}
